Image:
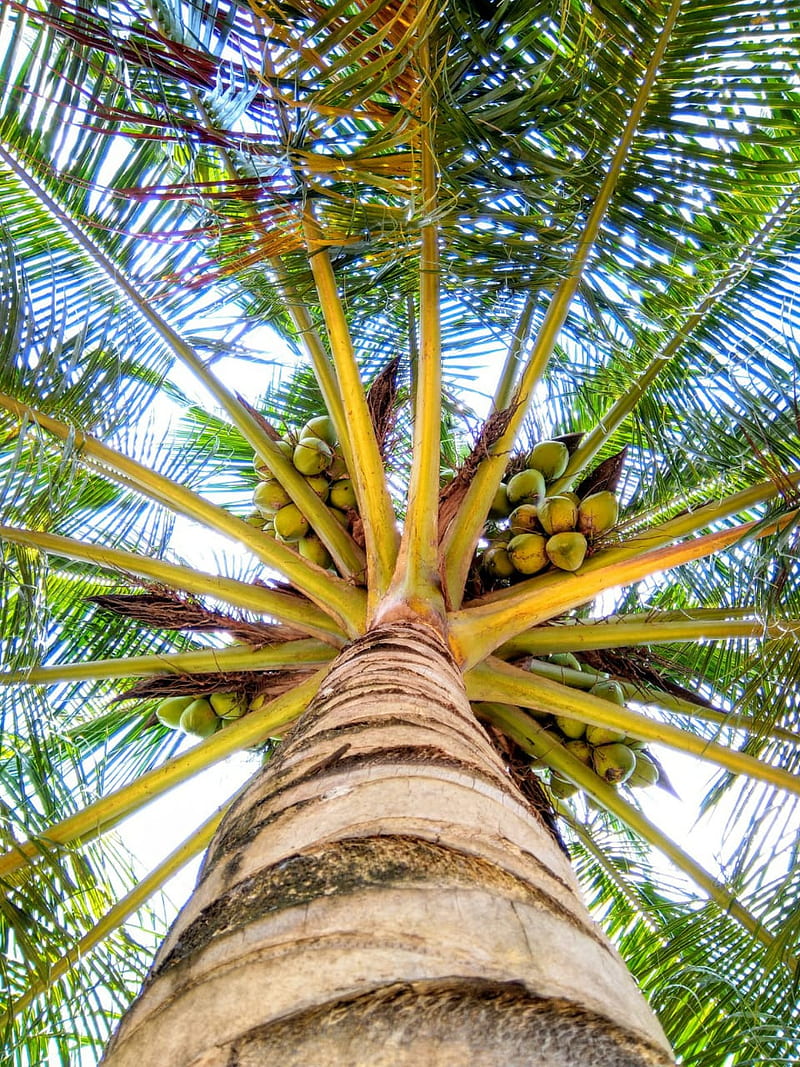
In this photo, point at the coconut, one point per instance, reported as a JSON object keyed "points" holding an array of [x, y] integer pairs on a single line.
{"points": [[615, 763], [549, 457], [199, 718], [269, 497], [603, 735], [255, 518], [290, 523], [557, 514], [337, 468], [645, 773], [571, 496], [565, 659], [566, 551], [527, 552], [340, 516], [496, 561], [527, 487], [524, 519], [170, 709], [495, 536], [312, 456], [320, 484], [561, 788], [500, 505], [228, 705], [286, 447], [634, 743], [609, 690], [311, 548], [572, 728], [580, 749], [342, 494], [321, 427], [597, 513]]}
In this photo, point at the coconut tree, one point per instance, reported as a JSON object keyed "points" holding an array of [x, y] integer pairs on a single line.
{"points": [[507, 537]]}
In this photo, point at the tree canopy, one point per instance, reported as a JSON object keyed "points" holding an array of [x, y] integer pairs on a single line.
{"points": [[591, 205]]}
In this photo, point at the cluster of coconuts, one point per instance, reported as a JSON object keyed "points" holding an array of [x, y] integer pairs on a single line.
{"points": [[202, 716], [615, 757], [528, 530], [312, 450]]}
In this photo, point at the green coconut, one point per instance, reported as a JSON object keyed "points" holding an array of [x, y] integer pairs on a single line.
{"points": [[261, 468], [645, 773], [527, 552], [603, 735], [497, 563], [228, 705], [311, 548], [609, 690], [269, 497], [615, 763], [320, 484], [571, 728], [259, 702], [199, 718], [550, 458], [597, 513], [342, 494], [566, 551], [290, 523], [170, 709], [557, 514], [340, 516], [580, 749], [255, 518], [634, 743], [321, 427], [337, 468], [495, 536], [500, 504], [527, 487], [561, 788], [312, 456], [524, 519], [565, 659]]}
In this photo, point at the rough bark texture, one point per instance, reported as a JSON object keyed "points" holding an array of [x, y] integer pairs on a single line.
{"points": [[381, 894]]}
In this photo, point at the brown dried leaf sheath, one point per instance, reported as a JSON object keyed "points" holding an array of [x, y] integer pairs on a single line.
{"points": [[167, 611], [380, 402], [267, 427], [605, 476], [454, 492], [249, 683]]}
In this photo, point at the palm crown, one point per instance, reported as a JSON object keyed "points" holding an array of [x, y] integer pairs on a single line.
{"points": [[595, 201]]}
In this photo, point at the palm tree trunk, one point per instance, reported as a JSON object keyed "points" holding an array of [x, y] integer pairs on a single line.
{"points": [[382, 894]]}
